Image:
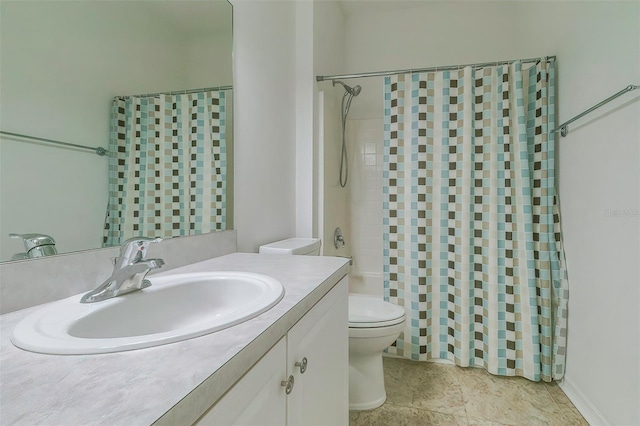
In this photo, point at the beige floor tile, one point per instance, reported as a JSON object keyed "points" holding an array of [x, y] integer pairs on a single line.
{"points": [[423, 385], [482, 422], [560, 398], [511, 400], [398, 382], [570, 417], [425, 393], [393, 415], [557, 394]]}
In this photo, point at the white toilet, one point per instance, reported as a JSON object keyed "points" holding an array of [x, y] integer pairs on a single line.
{"points": [[373, 325]]}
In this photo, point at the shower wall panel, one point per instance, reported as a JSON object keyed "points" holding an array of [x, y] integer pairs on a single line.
{"points": [[335, 210], [365, 148]]}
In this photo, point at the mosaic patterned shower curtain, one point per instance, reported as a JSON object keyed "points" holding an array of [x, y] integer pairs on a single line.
{"points": [[167, 166], [472, 243]]}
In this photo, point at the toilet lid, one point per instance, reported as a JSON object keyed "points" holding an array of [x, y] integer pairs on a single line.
{"points": [[370, 311]]}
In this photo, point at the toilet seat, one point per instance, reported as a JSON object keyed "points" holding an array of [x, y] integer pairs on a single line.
{"points": [[371, 312]]}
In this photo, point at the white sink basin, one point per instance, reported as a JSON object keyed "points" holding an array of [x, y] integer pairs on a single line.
{"points": [[176, 307]]}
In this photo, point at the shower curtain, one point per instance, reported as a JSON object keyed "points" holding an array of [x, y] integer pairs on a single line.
{"points": [[167, 166], [472, 242]]}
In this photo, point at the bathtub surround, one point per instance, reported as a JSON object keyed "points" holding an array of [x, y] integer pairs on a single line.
{"points": [[26, 283], [366, 144], [472, 229], [347, 98], [335, 199]]}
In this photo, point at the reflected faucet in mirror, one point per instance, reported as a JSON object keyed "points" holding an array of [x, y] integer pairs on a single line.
{"points": [[129, 271], [35, 245]]}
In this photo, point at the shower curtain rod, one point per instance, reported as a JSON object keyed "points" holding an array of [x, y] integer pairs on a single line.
{"points": [[177, 92], [414, 70], [97, 150], [564, 129]]}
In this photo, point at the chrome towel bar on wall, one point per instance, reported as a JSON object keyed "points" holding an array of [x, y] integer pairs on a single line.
{"points": [[564, 129]]}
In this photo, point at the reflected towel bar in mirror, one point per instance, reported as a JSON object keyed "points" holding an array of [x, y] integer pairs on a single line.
{"points": [[98, 150]]}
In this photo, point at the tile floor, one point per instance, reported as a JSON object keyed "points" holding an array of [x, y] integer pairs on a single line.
{"points": [[427, 393]]}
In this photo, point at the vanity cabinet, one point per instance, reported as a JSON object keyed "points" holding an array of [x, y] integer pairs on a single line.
{"points": [[313, 358], [257, 398]]}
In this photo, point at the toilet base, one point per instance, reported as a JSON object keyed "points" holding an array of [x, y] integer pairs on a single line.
{"points": [[368, 406], [366, 381]]}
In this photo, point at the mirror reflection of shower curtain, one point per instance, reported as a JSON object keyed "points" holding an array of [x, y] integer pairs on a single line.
{"points": [[472, 240], [167, 166]]}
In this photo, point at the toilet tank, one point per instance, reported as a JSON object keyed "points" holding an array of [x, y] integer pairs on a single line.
{"points": [[300, 246]]}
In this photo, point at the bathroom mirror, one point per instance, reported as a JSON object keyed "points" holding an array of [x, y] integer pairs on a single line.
{"points": [[62, 64]]}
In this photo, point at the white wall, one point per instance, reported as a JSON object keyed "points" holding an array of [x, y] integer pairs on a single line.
{"points": [[598, 54], [306, 195], [279, 47], [265, 111]]}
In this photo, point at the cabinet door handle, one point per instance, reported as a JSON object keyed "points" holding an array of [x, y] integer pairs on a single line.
{"points": [[302, 365], [288, 385]]}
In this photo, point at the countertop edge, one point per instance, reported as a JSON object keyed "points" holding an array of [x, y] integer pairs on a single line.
{"points": [[199, 400]]}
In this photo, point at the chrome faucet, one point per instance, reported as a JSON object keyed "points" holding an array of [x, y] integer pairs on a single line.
{"points": [[129, 271], [36, 245]]}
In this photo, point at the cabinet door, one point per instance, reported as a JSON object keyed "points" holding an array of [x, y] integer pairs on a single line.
{"points": [[258, 398], [321, 394]]}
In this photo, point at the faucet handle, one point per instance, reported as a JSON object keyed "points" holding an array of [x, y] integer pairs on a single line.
{"points": [[135, 249]]}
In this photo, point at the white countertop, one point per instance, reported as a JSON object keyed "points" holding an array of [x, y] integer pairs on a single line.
{"points": [[165, 385]]}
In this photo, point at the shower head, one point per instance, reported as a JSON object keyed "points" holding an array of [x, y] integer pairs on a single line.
{"points": [[353, 91]]}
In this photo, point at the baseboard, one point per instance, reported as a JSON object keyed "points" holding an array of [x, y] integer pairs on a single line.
{"points": [[584, 405]]}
